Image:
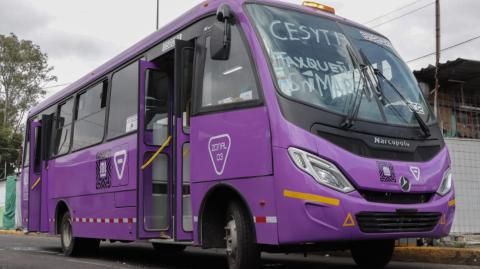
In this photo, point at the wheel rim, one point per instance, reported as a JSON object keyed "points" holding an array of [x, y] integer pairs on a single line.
{"points": [[231, 239], [67, 233]]}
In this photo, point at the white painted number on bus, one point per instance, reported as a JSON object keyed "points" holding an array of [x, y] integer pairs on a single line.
{"points": [[219, 147]]}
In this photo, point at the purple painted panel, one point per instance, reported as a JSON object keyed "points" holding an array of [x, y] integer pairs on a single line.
{"points": [[231, 145], [92, 176], [259, 195], [96, 216], [126, 198]]}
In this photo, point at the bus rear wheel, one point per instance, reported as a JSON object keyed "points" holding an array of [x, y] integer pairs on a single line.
{"points": [[241, 248], [75, 246], [375, 254]]}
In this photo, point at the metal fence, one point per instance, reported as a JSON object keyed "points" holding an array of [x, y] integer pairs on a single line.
{"points": [[459, 116], [465, 155]]}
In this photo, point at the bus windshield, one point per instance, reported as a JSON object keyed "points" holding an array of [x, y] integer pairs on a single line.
{"points": [[335, 67]]}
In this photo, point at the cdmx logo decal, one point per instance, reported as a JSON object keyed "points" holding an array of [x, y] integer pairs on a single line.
{"points": [[219, 147], [103, 170]]}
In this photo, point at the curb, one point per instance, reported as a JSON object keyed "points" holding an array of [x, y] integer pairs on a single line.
{"points": [[462, 256], [11, 232]]}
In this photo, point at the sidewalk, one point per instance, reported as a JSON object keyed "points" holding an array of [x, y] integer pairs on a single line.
{"points": [[443, 255]]}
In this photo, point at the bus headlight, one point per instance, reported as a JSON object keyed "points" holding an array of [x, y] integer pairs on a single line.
{"points": [[323, 171], [447, 183]]}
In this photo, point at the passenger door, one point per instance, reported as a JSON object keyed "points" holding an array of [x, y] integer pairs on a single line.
{"points": [[183, 64], [155, 152], [165, 96], [40, 135]]}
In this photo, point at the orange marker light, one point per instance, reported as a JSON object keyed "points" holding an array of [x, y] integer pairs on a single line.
{"points": [[319, 6]]}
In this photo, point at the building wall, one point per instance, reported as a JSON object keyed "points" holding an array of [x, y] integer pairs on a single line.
{"points": [[465, 155]]}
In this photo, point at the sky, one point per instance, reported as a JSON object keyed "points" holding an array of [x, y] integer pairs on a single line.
{"points": [[79, 36]]}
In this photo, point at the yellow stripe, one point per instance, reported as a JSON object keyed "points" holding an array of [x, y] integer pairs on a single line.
{"points": [[145, 165], [451, 203], [36, 183], [311, 197]]}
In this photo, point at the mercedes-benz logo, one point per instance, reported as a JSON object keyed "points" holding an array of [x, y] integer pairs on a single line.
{"points": [[405, 184]]}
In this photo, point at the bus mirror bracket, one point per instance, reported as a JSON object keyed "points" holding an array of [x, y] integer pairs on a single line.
{"points": [[220, 39]]}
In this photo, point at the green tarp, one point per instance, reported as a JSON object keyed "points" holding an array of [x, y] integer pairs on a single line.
{"points": [[10, 196], [1, 217]]}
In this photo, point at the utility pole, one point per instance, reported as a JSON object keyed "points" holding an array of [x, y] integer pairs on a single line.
{"points": [[437, 60], [158, 7]]}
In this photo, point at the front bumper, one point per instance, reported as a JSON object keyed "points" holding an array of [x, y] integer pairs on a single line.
{"points": [[309, 212]]}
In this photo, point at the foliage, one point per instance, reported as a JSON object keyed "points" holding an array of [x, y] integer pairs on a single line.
{"points": [[24, 70]]}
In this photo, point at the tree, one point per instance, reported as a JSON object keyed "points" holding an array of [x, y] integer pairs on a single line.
{"points": [[24, 70]]}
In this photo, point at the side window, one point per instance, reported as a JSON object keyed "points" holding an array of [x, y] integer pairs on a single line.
{"points": [[63, 128], [122, 117], [90, 116], [230, 81]]}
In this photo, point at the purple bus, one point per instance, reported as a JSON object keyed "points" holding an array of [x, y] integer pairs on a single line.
{"points": [[245, 125]]}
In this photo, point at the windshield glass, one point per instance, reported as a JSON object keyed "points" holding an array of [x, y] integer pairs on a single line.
{"points": [[319, 62]]}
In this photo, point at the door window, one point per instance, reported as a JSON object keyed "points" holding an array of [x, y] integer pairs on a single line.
{"points": [[231, 81]]}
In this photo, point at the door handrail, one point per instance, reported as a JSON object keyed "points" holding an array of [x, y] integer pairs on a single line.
{"points": [[36, 183], [155, 155]]}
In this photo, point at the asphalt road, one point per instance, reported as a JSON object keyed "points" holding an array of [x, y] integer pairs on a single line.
{"points": [[28, 252]]}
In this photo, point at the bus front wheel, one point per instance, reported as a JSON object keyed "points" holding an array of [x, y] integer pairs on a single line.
{"points": [[75, 246], [373, 254], [241, 248]]}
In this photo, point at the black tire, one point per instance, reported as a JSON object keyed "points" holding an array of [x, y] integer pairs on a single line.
{"points": [[375, 254], [75, 246], [242, 250], [168, 248]]}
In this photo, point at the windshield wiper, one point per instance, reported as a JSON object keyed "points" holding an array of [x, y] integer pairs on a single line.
{"points": [[349, 120], [421, 122]]}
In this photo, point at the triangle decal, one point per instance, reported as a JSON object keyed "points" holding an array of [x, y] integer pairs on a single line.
{"points": [[415, 172], [349, 222], [120, 159], [219, 147]]}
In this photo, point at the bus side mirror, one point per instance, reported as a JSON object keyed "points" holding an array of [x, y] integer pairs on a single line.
{"points": [[220, 38]]}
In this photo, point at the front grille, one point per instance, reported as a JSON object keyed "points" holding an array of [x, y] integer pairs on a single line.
{"points": [[396, 197], [395, 222]]}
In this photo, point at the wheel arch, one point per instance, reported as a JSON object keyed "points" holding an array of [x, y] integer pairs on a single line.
{"points": [[60, 209], [211, 219]]}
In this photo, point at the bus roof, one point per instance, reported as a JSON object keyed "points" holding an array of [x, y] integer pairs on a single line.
{"points": [[153, 39]]}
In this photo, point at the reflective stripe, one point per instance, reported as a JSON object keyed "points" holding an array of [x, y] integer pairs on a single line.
{"points": [[106, 220], [311, 197], [265, 219]]}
